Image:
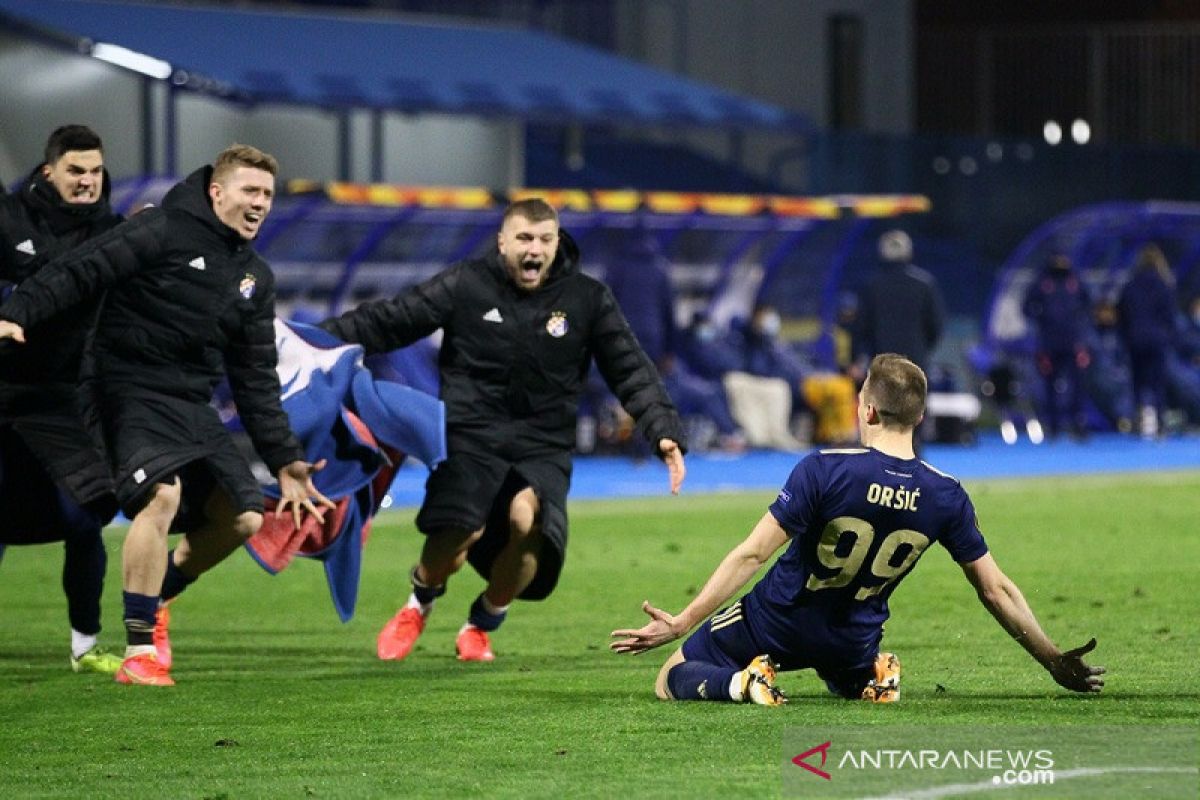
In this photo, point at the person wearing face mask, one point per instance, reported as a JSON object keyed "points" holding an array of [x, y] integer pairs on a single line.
{"points": [[54, 482], [188, 302], [521, 326], [760, 406], [640, 282], [827, 394]]}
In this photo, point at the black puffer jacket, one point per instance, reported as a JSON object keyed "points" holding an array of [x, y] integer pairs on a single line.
{"points": [[514, 363], [37, 225], [188, 301]]}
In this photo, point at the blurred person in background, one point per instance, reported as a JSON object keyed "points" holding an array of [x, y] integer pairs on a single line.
{"points": [[54, 482], [826, 393], [1146, 320], [640, 283], [900, 309], [761, 407], [1058, 306]]}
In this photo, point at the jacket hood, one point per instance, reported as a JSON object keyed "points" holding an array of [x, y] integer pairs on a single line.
{"points": [[190, 196], [38, 193]]}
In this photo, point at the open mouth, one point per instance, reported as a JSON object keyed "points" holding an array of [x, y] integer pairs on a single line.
{"points": [[252, 219], [530, 270]]}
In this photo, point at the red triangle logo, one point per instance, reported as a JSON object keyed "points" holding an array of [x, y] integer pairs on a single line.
{"points": [[823, 749]]}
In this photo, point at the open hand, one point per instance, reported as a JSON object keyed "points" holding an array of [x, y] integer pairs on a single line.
{"points": [[1070, 671], [658, 631], [297, 490]]}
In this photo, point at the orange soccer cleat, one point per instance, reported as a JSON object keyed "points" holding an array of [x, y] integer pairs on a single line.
{"points": [[162, 637], [397, 638], [758, 683], [143, 670], [885, 686], [472, 645]]}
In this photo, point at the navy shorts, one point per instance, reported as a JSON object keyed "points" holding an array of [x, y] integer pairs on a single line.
{"points": [[727, 640]]}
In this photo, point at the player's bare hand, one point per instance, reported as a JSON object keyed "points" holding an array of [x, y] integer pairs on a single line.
{"points": [[658, 631], [671, 454], [11, 330], [1070, 671], [296, 489]]}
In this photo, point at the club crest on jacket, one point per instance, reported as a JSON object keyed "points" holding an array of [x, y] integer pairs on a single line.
{"points": [[246, 287], [557, 326]]}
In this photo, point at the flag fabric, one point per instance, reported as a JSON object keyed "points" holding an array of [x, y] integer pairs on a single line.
{"points": [[364, 428]]}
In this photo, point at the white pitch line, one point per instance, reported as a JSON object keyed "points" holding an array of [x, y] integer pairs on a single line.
{"points": [[952, 789]]}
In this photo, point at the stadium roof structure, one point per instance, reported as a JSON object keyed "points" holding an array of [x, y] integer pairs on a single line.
{"points": [[341, 61]]}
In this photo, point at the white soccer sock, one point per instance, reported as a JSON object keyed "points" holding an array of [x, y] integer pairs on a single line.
{"points": [[424, 608], [735, 688], [81, 643]]}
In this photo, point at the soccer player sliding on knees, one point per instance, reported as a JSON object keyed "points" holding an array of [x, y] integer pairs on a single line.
{"points": [[852, 523]]}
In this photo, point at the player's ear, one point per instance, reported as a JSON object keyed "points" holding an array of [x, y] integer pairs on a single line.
{"points": [[872, 414]]}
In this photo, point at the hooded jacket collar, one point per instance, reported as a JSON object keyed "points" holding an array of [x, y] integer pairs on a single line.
{"points": [[190, 196], [63, 217]]}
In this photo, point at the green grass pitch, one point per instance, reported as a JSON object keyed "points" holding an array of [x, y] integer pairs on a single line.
{"points": [[276, 698]]}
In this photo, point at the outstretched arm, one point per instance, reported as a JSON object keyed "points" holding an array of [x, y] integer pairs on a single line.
{"points": [[84, 272], [734, 571], [381, 326], [1006, 603]]}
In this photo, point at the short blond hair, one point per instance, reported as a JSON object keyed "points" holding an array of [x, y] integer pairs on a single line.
{"points": [[897, 388], [534, 209], [243, 155]]}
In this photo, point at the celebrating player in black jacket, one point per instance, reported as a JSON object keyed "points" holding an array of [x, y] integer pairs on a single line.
{"points": [[54, 483], [521, 327], [188, 300]]}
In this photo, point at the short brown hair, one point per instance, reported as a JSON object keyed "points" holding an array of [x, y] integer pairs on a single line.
{"points": [[534, 209], [243, 155], [896, 387]]}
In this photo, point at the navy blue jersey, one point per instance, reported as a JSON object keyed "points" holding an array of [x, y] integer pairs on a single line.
{"points": [[858, 520]]}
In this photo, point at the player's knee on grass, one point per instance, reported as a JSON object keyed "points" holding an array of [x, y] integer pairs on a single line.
{"points": [[661, 688]]}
